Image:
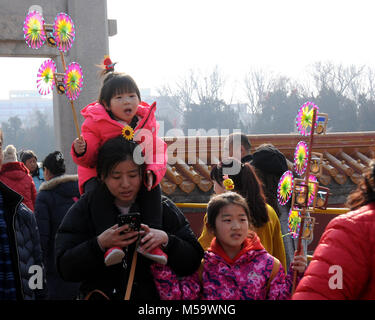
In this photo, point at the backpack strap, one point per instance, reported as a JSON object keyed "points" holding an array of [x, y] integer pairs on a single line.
{"points": [[275, 270], [200, 271]]}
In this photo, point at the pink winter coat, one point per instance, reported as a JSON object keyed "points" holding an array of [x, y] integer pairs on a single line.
{"points": [[343, 265], [99, 127], [243, 278], [16, 176]]}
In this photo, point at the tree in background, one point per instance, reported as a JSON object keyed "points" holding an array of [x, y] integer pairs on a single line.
{"points": [[342, 111], [39, 137], [346, 93], [199, 98], [366, 114]]}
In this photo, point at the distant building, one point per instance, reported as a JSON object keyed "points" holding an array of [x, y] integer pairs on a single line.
{"points": [[24, 103]]}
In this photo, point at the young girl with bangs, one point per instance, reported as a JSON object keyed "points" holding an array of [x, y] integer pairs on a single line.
{"points": [[236, 266], [263, 216], [118, 108]]}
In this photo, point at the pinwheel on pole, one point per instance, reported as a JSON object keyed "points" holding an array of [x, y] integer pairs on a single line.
{"points": [[306, 123], [60, 34], [303, 192]]}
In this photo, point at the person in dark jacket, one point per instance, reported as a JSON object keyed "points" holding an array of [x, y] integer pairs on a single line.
{"points": [[22, 274], [90, 227], [56, 195]]}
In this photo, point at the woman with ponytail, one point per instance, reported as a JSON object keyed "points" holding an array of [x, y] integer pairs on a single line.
{"points": [[119, 110], [263, 217]]}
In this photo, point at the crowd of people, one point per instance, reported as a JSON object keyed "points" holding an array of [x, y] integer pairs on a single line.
{"points": [[109, 233]]}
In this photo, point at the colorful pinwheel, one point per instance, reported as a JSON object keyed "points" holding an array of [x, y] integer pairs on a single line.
{"points": [[285, 187], [294, 223], [64, 32], [73, 80], [305, 117], [312, 189], [33, 30], [45, 78], [301, 158]]}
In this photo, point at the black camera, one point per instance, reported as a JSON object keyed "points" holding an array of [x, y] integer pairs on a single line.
{"points": [[133, 220]]}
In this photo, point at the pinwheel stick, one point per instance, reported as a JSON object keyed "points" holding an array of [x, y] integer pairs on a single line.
{"points": [[307, 175], [71, 102], [63, 61], [75, 119]]}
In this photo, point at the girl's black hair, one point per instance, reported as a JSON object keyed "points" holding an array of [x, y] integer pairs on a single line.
{"points": [[365, 192], [116, 83], [248, 185], [114, 151], [221, 200], [55, 163]]}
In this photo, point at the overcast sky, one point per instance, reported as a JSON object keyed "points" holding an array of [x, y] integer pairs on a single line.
{"points": [[159, 41]]}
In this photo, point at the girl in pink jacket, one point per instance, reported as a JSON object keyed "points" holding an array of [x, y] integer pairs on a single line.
{"points": [[119, 110], [236, 266]]}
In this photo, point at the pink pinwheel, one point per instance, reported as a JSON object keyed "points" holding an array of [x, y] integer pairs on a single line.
{"points": [[301, 157], [305, 117], [73, 80], [33, 30], [45, 78], [64, 32], [285, 187]]}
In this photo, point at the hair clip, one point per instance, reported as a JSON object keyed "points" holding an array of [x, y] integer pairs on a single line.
{"points": [[228, 183], [59, 156], [128, 132], [108, 64]]}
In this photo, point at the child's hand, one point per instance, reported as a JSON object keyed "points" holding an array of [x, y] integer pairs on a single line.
{"points": [[150, 179], [79, 146]]}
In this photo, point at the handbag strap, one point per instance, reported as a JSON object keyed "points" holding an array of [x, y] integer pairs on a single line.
{"points": [[131, 274], [96, 291]]}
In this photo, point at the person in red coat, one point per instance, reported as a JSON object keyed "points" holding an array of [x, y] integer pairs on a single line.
{"points": [[16, 176], [343, 265]]}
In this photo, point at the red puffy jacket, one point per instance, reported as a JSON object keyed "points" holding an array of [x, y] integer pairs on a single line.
{"points": [[16, 176], [343, 265]]}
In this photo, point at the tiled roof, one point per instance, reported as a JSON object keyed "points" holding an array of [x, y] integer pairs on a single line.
{"points": [[345, 155]]}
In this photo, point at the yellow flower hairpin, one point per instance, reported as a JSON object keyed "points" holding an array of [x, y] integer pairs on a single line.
{"points": [[128, 132], [228, 183]]}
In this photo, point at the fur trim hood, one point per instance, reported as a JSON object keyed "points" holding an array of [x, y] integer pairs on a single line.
{"points": [[54, 182]]}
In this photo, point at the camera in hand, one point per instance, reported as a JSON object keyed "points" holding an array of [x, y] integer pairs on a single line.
{"points": [[133, 220]]}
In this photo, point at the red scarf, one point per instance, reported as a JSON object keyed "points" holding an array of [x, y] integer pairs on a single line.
{"points": [[252, 242]]}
